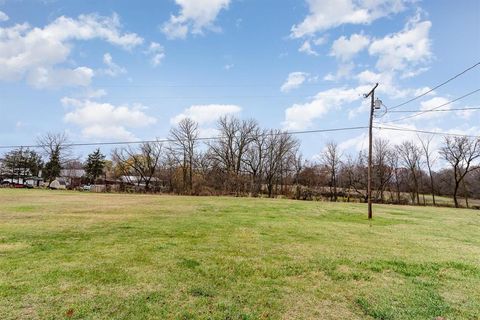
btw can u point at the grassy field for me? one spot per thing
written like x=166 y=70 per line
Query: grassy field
x=110 y=256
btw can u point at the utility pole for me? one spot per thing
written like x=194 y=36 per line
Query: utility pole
x=370 y=133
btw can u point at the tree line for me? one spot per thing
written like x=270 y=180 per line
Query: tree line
x=245 y=159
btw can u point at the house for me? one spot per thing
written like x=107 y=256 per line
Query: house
x=22 y=177
x=72 y=177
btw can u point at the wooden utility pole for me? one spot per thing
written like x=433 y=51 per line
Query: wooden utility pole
x=370 y=132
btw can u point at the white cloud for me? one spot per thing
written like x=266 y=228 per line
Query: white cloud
x=404 y=49
x=326 y=14
x=3 y=16
x=107 y=132
x=357 y=143
x=301 y=116
x=320 y=40
x=394 y=137
x=430 y=104
x=387 y=84
x=344 y=71
x=346 y=48
x=41 y=77
x=467 y=114
x=104 y=120
x=156 y=53
x=294 y=80
x=228 y=66
x=194 y=17
x=206 y=114
x=112 y=69
x=306 y=47
x=414 y=72
x=35 y=53
x=92 y=93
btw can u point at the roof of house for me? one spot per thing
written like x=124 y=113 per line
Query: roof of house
x=72 y=173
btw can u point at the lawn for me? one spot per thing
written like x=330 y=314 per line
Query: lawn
x=113 y=256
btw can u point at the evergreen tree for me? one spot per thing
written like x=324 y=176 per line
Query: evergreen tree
x=52 y=168
x=21 y=164
x=94 y=165
x=34 y=162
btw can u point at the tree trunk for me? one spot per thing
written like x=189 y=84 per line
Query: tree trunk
x=270 y=189
x=465 y=192
x=455 y=200
x=432 y=186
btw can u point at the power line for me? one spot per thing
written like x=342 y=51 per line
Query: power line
x=438 y=110
x=435 y=108
x=172 y=140
x=214 y=97
x=160 y=85
x=427 y=132
x=392 y=128
x=437 y=86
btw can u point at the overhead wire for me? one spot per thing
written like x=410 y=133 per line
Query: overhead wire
x=172 y=140
x=438 y=110
x=436 y=87
x=433 y=109
x=402 y=129
x=392 y=128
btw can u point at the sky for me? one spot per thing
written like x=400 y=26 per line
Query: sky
x=119 y=70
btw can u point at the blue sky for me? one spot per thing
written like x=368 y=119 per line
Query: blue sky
x=123 y=70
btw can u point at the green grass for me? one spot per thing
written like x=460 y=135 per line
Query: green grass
x=110 y=256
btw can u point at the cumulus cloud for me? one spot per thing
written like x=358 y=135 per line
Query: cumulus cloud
x=41 y=77
x=326 y=14
x=206 y=114
x=3 y=16
x=344 y=71
x=430 y=104
x=406 y=48
x=388 y=83
x=301 y=116
x=195 y=16
x=156 y=53
x=104 y=120
x=346 y=48
x=35 y=53
x=294 y=80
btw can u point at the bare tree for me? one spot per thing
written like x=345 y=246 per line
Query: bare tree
x=410 y=154
x=142 y=162
x=57 y=150
x=229 y=150
x=394 y=163
x=331 y=158
x=254 y=158
x=279 y=145
x=298 y=165
x=429 y=161
x=55 y=144
x=460 y=153
x=183 y=147
x=383 y=172
x=354 y=173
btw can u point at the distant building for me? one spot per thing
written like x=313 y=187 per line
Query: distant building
x=72 y=178
x=22 y=177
